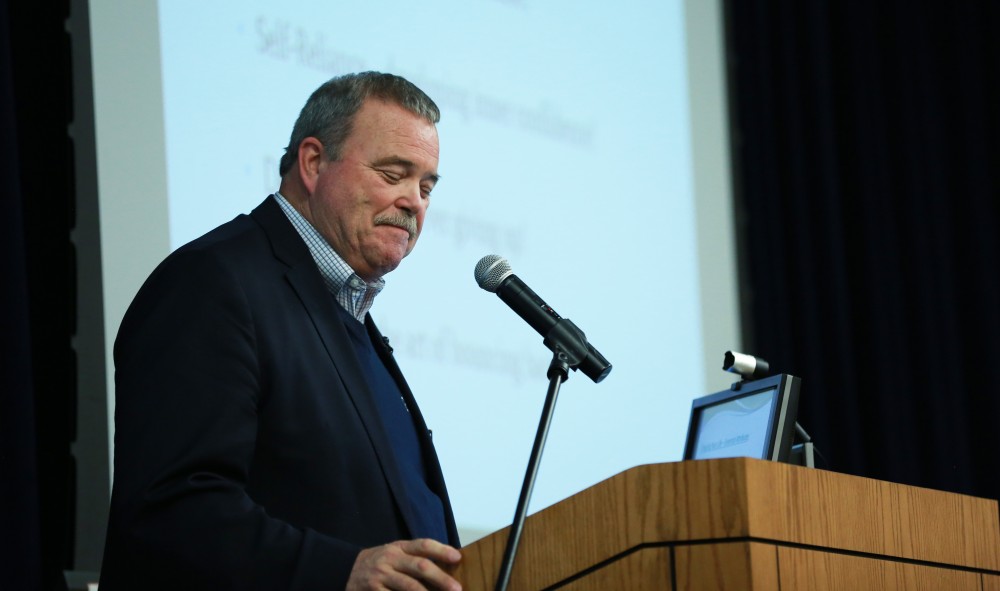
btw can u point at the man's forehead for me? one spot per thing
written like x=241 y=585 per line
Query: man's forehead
x=388 y=133
x=378 y=109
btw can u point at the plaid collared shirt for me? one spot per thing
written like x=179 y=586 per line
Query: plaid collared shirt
x=352 y=292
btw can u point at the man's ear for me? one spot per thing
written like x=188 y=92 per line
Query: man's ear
x=311 y=159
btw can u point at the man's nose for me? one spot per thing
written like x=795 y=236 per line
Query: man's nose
x=412 y=199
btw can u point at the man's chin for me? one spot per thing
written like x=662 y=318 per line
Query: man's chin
x=388 y=259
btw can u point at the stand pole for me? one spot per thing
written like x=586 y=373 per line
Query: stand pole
x=558 y=373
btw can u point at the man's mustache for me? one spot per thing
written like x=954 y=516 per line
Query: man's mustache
x=400 y=220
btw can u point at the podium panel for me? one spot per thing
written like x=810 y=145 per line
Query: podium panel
x=644 y=570
x=827 y=571
x=991 y=583
x=750 y=566
x=740 y=523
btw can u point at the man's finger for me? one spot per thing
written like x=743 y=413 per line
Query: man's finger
x=429 y=573
x=431 y=549
x=405 y=565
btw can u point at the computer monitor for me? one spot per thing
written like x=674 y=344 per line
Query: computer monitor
x=753 y=418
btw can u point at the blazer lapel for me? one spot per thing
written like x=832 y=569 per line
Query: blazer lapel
x=305 y=280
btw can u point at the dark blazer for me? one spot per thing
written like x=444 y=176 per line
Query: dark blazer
x=249 y=453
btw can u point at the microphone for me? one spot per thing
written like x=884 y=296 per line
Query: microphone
x=493 y=273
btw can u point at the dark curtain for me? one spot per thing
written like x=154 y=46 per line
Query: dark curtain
x=37 y=283
x=20 y=567
x=866 y=157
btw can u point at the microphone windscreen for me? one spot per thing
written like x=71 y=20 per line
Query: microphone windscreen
x=491 y=270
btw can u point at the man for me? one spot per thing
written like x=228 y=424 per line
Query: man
x=265 y=438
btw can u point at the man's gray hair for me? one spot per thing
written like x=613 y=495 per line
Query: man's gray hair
x=329 y=113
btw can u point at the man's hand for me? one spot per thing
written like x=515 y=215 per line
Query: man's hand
x=410 y=565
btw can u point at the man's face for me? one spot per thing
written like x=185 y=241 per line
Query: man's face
x=370 y=203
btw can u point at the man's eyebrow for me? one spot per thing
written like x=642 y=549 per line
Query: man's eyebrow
x=400 y=161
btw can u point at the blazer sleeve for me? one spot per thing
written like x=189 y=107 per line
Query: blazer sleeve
x=188 y=390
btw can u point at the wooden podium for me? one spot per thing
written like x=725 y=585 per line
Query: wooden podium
x=739 y=523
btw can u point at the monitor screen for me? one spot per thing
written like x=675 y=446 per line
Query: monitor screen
x=753 y=419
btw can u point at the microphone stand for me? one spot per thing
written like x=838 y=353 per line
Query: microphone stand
x=570 y=348
x=558 y=373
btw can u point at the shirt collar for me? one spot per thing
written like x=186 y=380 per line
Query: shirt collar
x=352 y=292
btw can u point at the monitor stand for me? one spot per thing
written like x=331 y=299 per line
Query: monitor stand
x=803 y=451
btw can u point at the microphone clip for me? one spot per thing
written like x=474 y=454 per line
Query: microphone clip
x=565 y=338
x=569 y=345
